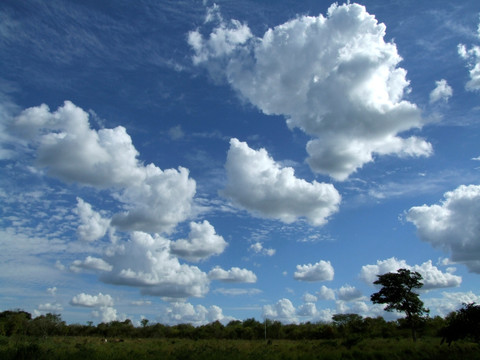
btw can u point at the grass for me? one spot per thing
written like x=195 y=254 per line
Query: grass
x=84 y=348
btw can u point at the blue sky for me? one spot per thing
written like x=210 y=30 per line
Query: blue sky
x=189 y=161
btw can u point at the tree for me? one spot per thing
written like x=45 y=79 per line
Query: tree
x=463 y=323
x=397 y=292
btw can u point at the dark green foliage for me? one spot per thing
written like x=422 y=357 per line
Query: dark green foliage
x=463 y=323
x=398 y=293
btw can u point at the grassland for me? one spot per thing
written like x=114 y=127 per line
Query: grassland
x=86 y=348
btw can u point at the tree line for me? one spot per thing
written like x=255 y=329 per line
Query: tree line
x=464 y=323
x=397 y=292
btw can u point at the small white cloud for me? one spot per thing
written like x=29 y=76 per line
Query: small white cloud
x=237 y=292
x=259 y=249
x=321 y=271
x=201 y=244
x=282 y=311
x=326 y=293
x=234 y=275
x=259 y=184
x=186 y=313
x=442 y=91
x=87 y=300
x=49 y=307
x=93 y=226
x=349 y=293
x=472 y=57
x=309 y=298
x=52 y=291
x=176 y=132
x=91 y=263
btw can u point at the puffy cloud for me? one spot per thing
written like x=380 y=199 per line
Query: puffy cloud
x=321 y=271
x=234 y=275
x=309 y=298
x=453 y=225
x=91 y=263
x=442 y=91
x=146 y=262
x=308 y=309
x=68 y=148
x=333 y=77
x=451 y=301
x=93 y=226
x=182 y=313
x=282 y=311
x=106 y=313
x=52 y=291
x=349 y=293
x=433 y=277
x=202 y=243
x=326 y=293
x=259 y=249
x=259 y=184
x=472 y=56
x=87 y=300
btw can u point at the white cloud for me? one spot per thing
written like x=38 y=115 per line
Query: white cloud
x=234 y=275
x=451 y=301
x=93 y=226
x=453 y=225
x=433 y=278
x=333 y=77
x=259 y=184
x=146 y=262
x=282 y=311
x=91 y=263
x=472 y=56
x=348 y=293
x=182 y=313
x=309 y=298
x=321 y=271
x=202 y=243
x=106 y=313
x=308 y=309
x=154 y=200
x=237 y=291
x=87 y=300
x=50 y=307
x=52 y=291
x=259 y=249
x=442 y=91
x=326 y=293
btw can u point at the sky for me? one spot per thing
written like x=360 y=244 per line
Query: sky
x=192 y=161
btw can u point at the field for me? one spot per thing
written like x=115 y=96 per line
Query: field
x=87 y=348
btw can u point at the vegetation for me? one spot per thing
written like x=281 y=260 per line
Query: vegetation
x=348 y=336
x=397 y=292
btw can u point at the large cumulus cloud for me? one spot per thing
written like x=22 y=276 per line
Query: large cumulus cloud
x=453 y=225
x=65 y=145
x=333 y=77
x=259 y=184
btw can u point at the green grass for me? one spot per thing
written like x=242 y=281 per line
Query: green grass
x=84 y=348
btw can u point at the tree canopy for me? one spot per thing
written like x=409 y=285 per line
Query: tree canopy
x=398 y=293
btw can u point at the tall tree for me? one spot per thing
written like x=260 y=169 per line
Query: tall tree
x=398 y=293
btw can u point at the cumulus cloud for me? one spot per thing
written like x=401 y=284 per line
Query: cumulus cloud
x=451 y=301
x=282 y=311
x=106 y=313
x=472 y=57
x=93 y=226
x=91 y=263
x=202 y=243
x=349 y=293
x=145 y=261
x=234 y=275
x=50 y=307
x=259 y=184
x=153 y=200
x=442 y=91
x=259 y=249
x=321 y=271
x=183 y=313
x=433 y=278
x=326 y=293
x=87 y=300
x=333 y=77
x=453 y=225
x=309 y=298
